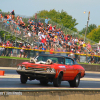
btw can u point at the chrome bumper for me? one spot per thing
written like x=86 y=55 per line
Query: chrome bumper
x=35 y=72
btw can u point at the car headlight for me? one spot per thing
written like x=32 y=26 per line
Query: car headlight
x=19 y=67
x=48 y=70
x=53 y=70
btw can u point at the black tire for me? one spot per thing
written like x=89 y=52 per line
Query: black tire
x=57 y=81
x=75 y=82
x=23 y=79
x=43 y=82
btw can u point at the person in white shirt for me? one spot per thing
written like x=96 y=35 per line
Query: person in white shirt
x=29 y=34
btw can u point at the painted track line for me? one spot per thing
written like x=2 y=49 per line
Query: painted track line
x=11 y=68
x=49 y=89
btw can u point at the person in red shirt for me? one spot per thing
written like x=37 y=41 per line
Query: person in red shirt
x=43 y=40
x=52 y=50
x=50 y=27
x=66 y=38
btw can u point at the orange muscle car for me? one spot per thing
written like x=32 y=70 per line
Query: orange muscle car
x=51 y=68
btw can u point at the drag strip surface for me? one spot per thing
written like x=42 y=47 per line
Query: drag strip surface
x=12 y=80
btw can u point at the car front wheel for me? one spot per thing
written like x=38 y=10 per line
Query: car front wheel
x=57 y=81
x=75 y=82
x=23 y=79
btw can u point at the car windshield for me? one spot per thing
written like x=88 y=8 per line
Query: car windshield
x=59 y=60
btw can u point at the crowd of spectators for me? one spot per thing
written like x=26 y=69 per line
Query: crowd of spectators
x=49 y=37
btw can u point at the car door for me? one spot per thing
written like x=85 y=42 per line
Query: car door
x=69 y=73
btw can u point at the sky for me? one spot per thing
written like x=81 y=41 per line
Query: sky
x=75 y=8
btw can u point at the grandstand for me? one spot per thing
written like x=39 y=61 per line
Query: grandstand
x=39 y=37
x=12 y=30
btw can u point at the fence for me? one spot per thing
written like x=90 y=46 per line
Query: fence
x=19 y=33
x=27 y=53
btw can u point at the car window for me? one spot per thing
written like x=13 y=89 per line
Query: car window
x=61 y=60
x=55 y=60
x=69 y=61
x=58 y=60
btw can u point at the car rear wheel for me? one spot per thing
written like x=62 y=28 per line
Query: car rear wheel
x=57 y=81
x=75 y=82
x=23 y=79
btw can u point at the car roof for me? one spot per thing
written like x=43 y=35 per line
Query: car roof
x=56 y=55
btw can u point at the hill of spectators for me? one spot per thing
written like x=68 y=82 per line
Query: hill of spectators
x=49 y=37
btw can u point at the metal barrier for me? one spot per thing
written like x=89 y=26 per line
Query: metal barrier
x=27 y=53
x=18 y=32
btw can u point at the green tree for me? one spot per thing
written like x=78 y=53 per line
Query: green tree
x=6 y=36
x=90 y=28
x=59 y=17
x=94 y=34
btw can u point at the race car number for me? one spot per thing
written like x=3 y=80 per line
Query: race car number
x=62 y=66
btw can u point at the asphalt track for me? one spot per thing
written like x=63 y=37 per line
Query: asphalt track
x=12 y=80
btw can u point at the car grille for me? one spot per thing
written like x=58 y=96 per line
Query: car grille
x=36 y=69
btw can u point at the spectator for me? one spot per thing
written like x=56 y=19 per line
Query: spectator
x=52 y=50
x=13 y=14
x=29 y=34
x=46 y=21
x=29 y=20
x=35 y=17
x=50 y=27
x=1 y=16
x=72 y=54
x=21 y=52
x=89 y=45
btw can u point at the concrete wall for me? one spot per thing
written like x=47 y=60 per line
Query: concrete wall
x=90 y=67
x=55 y=95
x=13 y=63
x=10 y=62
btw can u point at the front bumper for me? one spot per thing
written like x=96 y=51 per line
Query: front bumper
x=36 y=74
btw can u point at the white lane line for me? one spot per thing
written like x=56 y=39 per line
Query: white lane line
x=51 y=88
x=90 y=79
x=10 y=76
x=12 y=68
x=92 y=72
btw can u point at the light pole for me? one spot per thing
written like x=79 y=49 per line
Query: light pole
x=87 y=26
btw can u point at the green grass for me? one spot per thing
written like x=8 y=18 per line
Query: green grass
x=14 y=58
x=88 y=63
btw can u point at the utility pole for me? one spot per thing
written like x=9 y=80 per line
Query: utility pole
x=87 y=26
